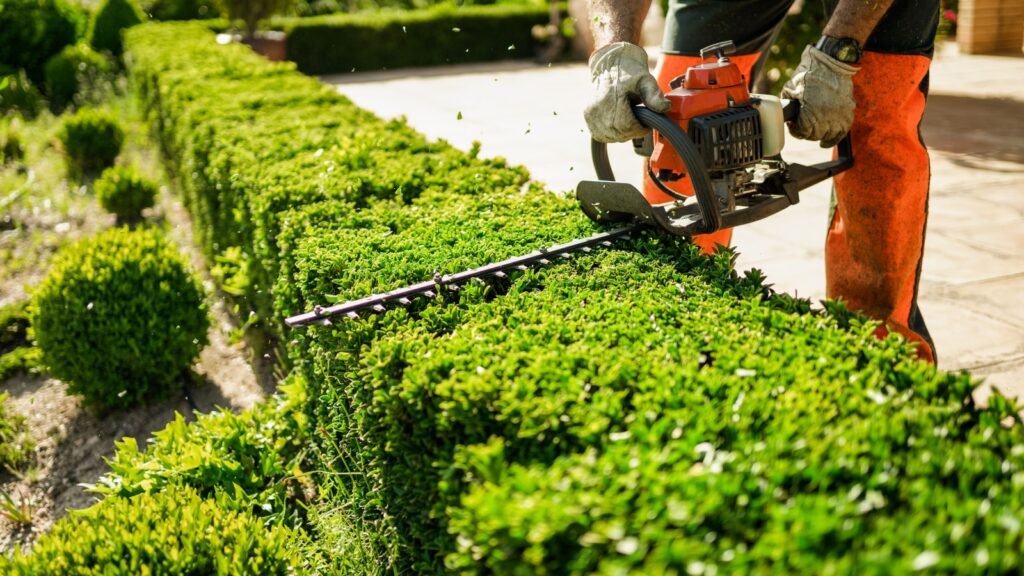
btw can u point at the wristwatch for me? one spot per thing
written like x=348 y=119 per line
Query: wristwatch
x=845 y=50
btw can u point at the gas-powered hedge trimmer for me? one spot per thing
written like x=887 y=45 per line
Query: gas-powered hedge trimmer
x=715 y=162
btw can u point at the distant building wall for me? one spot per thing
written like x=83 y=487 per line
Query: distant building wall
x=990 y=26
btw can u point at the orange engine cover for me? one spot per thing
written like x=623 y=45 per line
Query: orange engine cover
x=704 y=89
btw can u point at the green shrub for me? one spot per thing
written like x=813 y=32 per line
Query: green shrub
x=17 y=354
x=92 y=140
x=18 y=94
x=180 y=9
x=172 y=532
x=429 y=37
x=124 y=192
x=78 y=75
x=32 y=31
x=120 y=317
x=111 y=18
x=16 y=444
x=11 y=149
x=246 y=462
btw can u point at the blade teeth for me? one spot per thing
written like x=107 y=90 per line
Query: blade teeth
x=325 y=322
x=500 y=274
x=352 y=315
x=544 y=261
x=606 y=243
x=565 y=256
x=586 y=249
x=429 y=294
x=378 y=308
x=522 y=267
x=404 y=301
x=452 y=287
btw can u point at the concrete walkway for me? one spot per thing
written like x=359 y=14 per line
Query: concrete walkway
x=972 y=291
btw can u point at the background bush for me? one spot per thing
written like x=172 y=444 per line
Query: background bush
x=120 y=317
x=78 y=75
x=110 y=19
x=32 y=31
x=122 y=191
x=180 y=9
x=18 y=94
x=172 y=532
x=91 y=139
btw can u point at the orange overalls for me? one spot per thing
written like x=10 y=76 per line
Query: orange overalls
x=875 y=241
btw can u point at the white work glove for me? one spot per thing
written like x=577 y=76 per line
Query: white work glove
x=824 y=87
x=619 y=72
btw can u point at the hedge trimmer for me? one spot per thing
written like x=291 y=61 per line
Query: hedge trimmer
x=715 y=161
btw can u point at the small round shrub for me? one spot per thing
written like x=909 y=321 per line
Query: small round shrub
x=111 y=18
x=92 y=140
x=31 y=31
x=119 y=317
x=124 y=192
x=76 y=76
x=18 y=94
x=172 y=532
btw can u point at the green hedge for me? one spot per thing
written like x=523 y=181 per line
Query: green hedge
x=433 y=36
x=638 y=410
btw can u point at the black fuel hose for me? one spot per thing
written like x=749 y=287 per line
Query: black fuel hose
x=685 y=148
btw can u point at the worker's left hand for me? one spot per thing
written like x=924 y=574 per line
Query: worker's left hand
x=824 y=87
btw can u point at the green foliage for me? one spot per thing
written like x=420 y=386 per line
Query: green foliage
x=16 y=444
x=252 y=12
x=92 y=140
x=32 y=31
x=180 y=9
x=442 y=34
x=111 y=19
x=644 y=409
x=121 y=190
x=78 y=75
x=18 y=94
x=11 y=148
x=120 y=317
x=171 y=532
x=246 y=462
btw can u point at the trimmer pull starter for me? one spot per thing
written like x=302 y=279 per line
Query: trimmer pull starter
x=714 y=162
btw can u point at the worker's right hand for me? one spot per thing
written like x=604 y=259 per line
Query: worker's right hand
x=619 y=75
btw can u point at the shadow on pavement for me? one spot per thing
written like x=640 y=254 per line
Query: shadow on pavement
x=991 y=128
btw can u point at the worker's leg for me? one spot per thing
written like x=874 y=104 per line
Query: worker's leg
x=876 y=238
x=693 y=24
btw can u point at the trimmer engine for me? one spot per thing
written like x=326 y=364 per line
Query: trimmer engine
x=719 y=144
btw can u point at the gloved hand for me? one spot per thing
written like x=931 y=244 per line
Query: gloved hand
x=824 y=87
x=619 y=71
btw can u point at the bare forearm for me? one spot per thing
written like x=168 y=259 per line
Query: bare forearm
x=617 y=20
x=856 y=18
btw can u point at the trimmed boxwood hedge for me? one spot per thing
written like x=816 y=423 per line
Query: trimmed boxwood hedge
x=442 y=34
x=643 y=409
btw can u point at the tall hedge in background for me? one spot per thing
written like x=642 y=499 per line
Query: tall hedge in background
x=439 y=35
x=643 y=409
